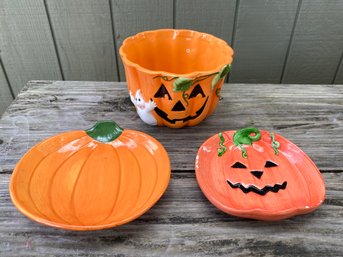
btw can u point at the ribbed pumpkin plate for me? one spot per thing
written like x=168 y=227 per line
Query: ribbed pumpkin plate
x=88 y=180
x=260 y=175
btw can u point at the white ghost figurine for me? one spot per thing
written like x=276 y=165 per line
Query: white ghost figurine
x=144 y=109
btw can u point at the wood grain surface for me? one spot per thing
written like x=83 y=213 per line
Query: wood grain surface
x=183 y=222
x=309 y=115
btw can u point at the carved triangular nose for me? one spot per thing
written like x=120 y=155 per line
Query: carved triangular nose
x=257 y=173
x=178 y=107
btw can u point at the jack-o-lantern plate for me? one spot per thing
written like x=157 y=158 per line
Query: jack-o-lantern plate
x=88 y=180
x=255 y=174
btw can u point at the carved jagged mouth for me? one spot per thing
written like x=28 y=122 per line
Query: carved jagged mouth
x=260 y=191
x=164 y=115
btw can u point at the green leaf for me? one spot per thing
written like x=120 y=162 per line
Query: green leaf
x=215 y=80
x=104 y=131
x=182 y=84
x=225 y=70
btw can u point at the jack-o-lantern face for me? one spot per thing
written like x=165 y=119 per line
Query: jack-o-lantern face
x=254 y=174
x=177 y=110
x=257 y=174
x=176 y=101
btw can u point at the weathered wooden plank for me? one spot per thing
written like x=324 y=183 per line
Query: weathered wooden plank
x=309 y=115
x=83 y=33
x=214 y=17
x=182 y=223
x=317 y=43
x=26 y=44
x=5 y=93
x=262 y=35
x=133 y=16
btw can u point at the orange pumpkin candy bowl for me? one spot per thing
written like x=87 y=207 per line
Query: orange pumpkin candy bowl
x=88 y=180
x=259 y=175
x=174 y=77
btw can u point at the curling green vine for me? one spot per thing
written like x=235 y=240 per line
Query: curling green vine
x=165 y=78
x=222 y=148
x=246 y=136
x=244 y=151
x=275 y=144
x=183 y=84
x=185 y=97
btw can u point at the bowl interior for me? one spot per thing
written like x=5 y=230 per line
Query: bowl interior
x=71 y=181
x=176 y=51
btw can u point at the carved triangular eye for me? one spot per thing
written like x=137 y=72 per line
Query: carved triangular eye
x=270 y=164
x=161 y=92
x=196 y=90
x=239 y=165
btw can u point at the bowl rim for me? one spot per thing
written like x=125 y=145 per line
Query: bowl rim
x=128 y=62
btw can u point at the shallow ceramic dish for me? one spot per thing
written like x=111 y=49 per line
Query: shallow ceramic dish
x=259 y=175
x=175 y=76
x=94 y=179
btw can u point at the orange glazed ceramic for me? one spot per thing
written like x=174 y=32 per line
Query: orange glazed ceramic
x=174 y=77
x=94 y=179
x=260 y=175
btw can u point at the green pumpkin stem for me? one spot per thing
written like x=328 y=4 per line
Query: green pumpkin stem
x=244 y=137
x=104 y=131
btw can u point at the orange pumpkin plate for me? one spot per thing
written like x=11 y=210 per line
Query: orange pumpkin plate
x=260 y=175
x=94 y=179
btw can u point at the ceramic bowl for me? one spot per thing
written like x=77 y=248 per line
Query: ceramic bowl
x=91 y=179
x=174 y=77
x=258 y=174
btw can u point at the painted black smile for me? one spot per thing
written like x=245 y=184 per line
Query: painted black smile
x=260 y=191
x=164 y=115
